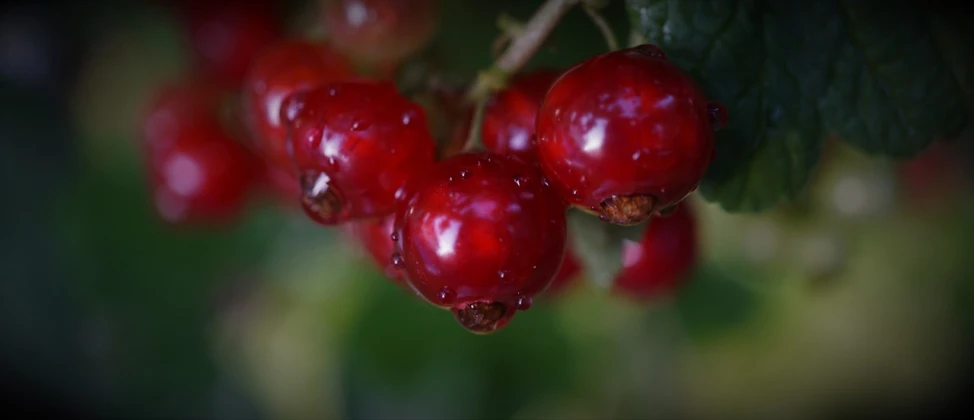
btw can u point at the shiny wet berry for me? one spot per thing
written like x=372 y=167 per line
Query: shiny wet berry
x=481 y=235
x=355 y=145
x=662 y=259
x=375 y=236
x=226 y=36
x=626 y=134
x=280 y=71
x=202 y=176
x=510 y=116
x=380 y=31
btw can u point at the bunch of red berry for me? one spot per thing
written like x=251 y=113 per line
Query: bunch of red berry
x=625 y=136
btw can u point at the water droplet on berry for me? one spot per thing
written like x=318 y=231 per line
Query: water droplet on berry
x=718 y=115
x=407 y=118
x=545 y=182
x=398 y=261
x=520 y=180
x=483 y=317
x=651 y=51
x=449 y=178
x=446 y=296
x=523 y=303
x=361 y=125
x=400 y=194
x=394 y=236
x=574 y=193
x=505 y=276
x=465 y=173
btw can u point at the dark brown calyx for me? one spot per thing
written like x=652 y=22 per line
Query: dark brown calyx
x=627 y=209
x=482 y=317
x=319 y=197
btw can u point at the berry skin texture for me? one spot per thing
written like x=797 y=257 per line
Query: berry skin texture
x=481 y=235
x=626 y=134
x=282 y=70
x=202 y=176
x=510 y=116
x=380 y=31
x=226 y=36
x=663 y=258
x=356 y=144
x=375 y=236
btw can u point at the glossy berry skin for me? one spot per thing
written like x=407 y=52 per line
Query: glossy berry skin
x=203 y=175
x=480 y=235
x=375 y=236
x=663 y=258
x=226 y=36
x=510 y=116
x=626 y=134
x=380 y=31
x=356 y=144
x=175 y=107
x=280 y=71
x=568 y=273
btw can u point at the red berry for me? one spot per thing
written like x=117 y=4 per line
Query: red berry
x=281 y=184
x=282 y=70
x=356 y=144
x=567 y=274
x=480 y=234
x=175 y=107
x=380 y=31
x=204 y=175
x=626 y=134
x=226 y=36
x=662 y=259
x=510 y=116
x=375 y=236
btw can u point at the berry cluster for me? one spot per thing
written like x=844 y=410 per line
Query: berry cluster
x=625 y=135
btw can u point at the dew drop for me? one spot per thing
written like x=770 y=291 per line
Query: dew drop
x=449 y=178
x=505 y=276
x=394 y=236
x=407 y=118
x=520 y=180
x=446 y=296
x=361 y=125
x=465 y=173
x=398 y=261
x=523 y=303
x=574 y=193
x=400 y=194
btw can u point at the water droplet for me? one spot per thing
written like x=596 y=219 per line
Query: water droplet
x=718 y=115
x=505 y=276
x=446 y=296
x=520 y=180
x=523 y=303
x=407 y=118
x=400 y=194
x=574 y=193
x=394 y=236
x=545 y=182
x=465 y=173
x=360 y=125
x=398 y=261
x=449 y=178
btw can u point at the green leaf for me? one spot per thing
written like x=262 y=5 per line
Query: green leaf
x=599 y=245
x=792 y=72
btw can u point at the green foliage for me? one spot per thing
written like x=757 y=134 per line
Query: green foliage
x=887 y=77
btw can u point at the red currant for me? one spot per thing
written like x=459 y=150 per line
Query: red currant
x=375 y=236
x=567 y=274
x=510 y=116
x=282 y=70
x=227 y=35
x=176 y=106
x=662 y=259
x=356 y=144
x=480 y=234
x=204 y=175
x=626 y=134
x=380 y=31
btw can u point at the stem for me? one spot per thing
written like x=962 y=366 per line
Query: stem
x=474 y=139
x=522 y=47
x=599 y=21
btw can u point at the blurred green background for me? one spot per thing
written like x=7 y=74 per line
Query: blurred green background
x=854 y=300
